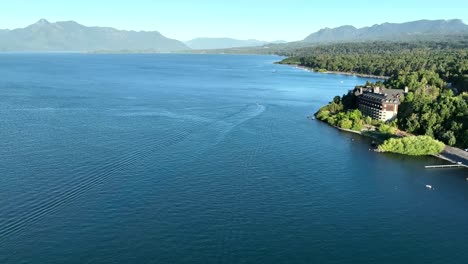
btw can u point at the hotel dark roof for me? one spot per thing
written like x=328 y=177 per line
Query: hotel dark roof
x=388 y=96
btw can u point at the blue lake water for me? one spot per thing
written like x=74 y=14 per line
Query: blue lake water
x=205 y=159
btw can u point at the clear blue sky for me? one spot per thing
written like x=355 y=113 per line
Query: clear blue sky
x=260 y=19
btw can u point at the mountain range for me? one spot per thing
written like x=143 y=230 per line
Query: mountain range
x=69 y=36
x=389 y=31
x=226 y=43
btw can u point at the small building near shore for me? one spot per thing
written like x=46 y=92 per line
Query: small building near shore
x=379 y=103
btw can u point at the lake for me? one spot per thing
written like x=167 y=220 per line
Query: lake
x=205 y=159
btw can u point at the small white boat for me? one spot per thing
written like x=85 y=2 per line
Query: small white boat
x=429 y=186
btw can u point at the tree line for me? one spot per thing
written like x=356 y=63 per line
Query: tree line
x=449 y=59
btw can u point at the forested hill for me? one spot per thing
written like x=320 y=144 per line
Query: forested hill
x=449 y=59
x=436 y=74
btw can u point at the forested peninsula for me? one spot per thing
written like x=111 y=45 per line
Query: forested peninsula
x=434 y=74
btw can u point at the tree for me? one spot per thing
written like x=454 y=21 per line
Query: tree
x=368 y=120
x=357 y=125
x=412 y=123
x=355 y=115
x=388 y=129
x=345 y=123
x=337 y=100
x=409 y=97
x=449 y=138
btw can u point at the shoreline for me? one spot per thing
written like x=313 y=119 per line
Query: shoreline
x=449 y=154
x=362 y=75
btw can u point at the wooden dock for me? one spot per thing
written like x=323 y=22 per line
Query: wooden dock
x=446 y=166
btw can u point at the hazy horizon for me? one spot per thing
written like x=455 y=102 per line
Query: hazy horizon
x=262 y=20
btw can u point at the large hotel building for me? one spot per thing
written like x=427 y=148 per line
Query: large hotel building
x=379 y=103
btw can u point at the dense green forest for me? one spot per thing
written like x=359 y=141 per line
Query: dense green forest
x=448 y=59
x=436 y=74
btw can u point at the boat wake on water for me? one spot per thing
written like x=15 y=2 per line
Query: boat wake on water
x=86 y=178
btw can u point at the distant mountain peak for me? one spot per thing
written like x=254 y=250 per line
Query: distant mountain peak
x=348 y=27
x=42 y=21
x=454 y=21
